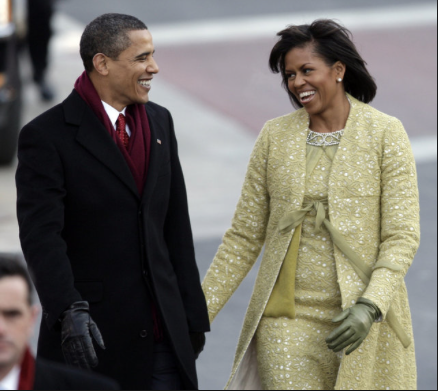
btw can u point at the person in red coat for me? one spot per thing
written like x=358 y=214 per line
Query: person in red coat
x=18 y=368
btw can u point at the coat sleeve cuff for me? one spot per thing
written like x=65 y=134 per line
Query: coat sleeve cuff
x=381 y=304
x=52 y=315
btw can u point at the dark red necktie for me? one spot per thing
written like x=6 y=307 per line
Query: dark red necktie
x=121 y=130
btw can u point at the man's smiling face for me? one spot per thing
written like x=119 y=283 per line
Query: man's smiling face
x=131 y=74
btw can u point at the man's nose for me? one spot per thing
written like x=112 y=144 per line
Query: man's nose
x=153 y=67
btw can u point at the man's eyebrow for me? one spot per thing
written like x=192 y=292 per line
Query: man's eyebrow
x=11 y=312
x=145 y=54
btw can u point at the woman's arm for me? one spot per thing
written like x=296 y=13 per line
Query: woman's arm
x=400 y=210
x=244 y=241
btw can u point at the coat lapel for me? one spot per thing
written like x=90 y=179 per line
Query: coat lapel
x=155 y=153
x=298 y=149
x=93 y=136
x=338 y=181
x=339 y=162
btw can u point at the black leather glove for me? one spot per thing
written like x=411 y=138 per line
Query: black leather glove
x=77 y=330
x=198 y=343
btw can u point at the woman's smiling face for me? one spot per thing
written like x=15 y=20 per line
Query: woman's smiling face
x=312 y=81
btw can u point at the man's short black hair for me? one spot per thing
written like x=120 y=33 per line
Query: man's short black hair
x=12 y=267
x=108 y=34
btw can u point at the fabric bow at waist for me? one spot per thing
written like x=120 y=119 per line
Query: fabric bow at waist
x=293 y=220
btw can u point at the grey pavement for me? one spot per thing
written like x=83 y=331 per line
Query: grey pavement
x=215 y=147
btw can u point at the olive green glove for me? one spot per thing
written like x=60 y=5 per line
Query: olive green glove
x=357 y=323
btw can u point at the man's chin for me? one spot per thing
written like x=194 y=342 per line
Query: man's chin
x=140 y=100
x=8 y=358
x=144 y=99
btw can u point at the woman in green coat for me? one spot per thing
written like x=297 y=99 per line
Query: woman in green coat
x=331 y=192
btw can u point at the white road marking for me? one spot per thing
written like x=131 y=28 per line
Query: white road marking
x=235 y=29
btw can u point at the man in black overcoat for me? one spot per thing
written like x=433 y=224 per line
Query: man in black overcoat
x=104 y=221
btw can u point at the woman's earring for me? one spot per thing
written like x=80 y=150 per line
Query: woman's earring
x=340 y=80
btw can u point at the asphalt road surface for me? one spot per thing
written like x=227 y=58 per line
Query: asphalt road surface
x=221 y=92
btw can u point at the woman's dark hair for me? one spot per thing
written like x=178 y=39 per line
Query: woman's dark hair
x=332 y=42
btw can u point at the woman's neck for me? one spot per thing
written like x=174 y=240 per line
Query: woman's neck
x=333 y=119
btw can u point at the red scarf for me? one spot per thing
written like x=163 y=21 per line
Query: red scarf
x=138 y=154
x=27 y=373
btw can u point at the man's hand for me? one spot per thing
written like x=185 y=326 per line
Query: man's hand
x=77 y=331
x=198 y=343
x=357 y=323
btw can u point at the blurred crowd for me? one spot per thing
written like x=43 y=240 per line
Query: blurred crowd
x=38 y=37
x=32 y=20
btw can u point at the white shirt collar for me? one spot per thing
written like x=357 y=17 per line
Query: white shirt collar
x=113 y=114
x=10 y=382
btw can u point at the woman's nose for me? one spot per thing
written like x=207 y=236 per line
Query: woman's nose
x=299 y=81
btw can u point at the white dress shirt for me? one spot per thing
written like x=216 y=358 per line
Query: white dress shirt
x=10 y=382
x=113 y=115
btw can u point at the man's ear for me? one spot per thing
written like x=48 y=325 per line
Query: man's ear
x=100 y=62
x=34 y=312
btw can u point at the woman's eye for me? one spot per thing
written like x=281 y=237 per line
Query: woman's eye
x=307 y=71
x=291 y=76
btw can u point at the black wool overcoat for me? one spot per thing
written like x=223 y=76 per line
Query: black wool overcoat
x=54 y=376
x=87 y=235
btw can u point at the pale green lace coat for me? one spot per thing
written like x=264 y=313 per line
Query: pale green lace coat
x=373 y=201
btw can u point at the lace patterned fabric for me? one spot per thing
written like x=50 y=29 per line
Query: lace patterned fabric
x=290 y=357
x=293 y=352
x=373 y=201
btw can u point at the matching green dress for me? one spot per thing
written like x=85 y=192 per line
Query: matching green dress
x=291 y=350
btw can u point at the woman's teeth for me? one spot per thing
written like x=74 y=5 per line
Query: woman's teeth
x=307 y=96
x=145 y=83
